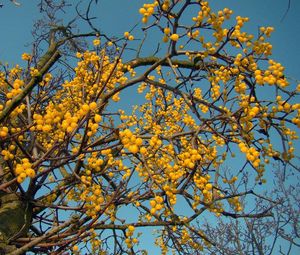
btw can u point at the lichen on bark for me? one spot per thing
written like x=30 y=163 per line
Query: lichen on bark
x=15 y=219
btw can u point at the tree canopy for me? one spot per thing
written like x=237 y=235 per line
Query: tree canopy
x=102 y=140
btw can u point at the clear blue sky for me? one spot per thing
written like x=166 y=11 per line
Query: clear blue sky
x=117 y=16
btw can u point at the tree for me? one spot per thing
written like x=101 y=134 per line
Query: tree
x=79 y=175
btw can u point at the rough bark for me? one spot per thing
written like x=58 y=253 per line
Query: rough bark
x=15 y=220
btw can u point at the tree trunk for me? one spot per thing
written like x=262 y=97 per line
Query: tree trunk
x=15 y=220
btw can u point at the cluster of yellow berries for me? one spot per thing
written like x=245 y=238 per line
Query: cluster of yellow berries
x=223 y=74
x=202 y=181
x=266 y=30
x=251 y=153
x=13 y=130
x=242 y=37
x=130 y=141
x=156 y=204
x=175 y=172
x=262 y=47
x=129 y=240
x=34 y=72
x=205 y=12
x=193 y=34
x=3 y=132
x=198 y=93
x=89 y=107
x=88 y=57
x=171 y=193
x=17 y=88
x=93 y=128
x=175 y=166
x=46 y=79
x=185 y=236
x=219 y=140
x=215 y=90
x=26 y=56
x=167 y=32
x=165 y=5
x=24 y=170
x=69 y=123
x=95 y=163
x=188 y=120
x=240 y=87
x=214 y=19
x=43 y=123
x=274 y=75
x=251 y=112
x=240 y=61
x=130 y=230
x=168 y=35
x=155 y=142
x=86 y=177
x=128 y=36
x=7 y=154
x=240 y=21
x=189 y=158
x=203 y=108
x=17 y=110
x=93 y=197
x=284 y=106
x=147 y=11
x=65 y=115
x=296 y=120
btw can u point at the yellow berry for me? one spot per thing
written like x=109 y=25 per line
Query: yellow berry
x=93 y=106
x=30 y=172
x=96 y=42
x=165 y=39
x=131 y=228
x=143 y=150
x=167 y=30
x=133 y=148
x=97 y=118
x=3 y=133
x=85 y=107
x=174 y=37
